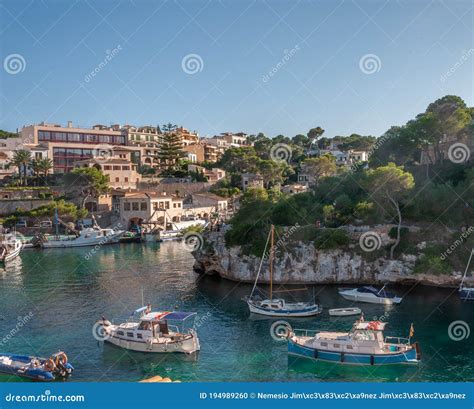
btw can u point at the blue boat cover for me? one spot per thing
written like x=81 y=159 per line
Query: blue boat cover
x=179 y=315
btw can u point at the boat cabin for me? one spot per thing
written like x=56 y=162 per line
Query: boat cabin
x=378 y=293
x=364 y=337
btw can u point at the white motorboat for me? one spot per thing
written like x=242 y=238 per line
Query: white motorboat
x=174 y=230
x=151 y=332
x=277 y=307
x=370 y=295
x=344 y=312
x=10 y=248
x=91 y=236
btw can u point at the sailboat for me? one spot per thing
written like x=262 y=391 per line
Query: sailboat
x=277 y=307
x=466 y=293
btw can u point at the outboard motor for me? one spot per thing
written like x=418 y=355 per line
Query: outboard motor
x=62 y=367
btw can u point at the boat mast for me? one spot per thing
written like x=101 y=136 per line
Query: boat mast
x=272 y=234
x=260 y=266
x=467 y=268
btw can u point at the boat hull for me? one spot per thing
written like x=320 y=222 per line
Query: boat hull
x=304 y=312
x=408 y=357
x=186 y=346
x=12 y=255
x=344 y=312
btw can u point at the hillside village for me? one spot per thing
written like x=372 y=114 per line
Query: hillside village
x=146 y=178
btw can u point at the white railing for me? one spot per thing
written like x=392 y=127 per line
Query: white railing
x=397 y=340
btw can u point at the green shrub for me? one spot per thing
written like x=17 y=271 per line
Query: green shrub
x=331 y=238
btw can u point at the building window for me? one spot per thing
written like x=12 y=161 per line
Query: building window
x=116 y=167
x=155 y=206
x=126 y=206
x=143 y=206
x=126 y=179
x=179 y=204
x=125 y=167
x=167 y=205
x=117 y=179
x=107 y=167
x=174 y=205
x=135 y=206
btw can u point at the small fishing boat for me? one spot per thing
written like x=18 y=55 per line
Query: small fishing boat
x=39 y=369
x=277 y=307
x=10 y=248
x=466 y=293
x=364 y=344
x=157 y=332
x=344 y=312
x=370 y=295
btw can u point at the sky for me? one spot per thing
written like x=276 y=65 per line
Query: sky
x=277 y=67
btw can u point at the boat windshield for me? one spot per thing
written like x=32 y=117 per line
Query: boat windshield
x=379 y=293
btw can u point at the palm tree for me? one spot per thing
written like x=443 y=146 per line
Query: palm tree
x=45 y=166
x=35 y=166
x=21 y=159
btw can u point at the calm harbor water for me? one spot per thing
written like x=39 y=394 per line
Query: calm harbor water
x=62 y=292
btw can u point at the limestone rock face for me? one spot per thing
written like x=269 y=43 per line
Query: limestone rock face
x=303 y=263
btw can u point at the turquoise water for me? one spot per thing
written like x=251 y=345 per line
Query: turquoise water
x=63 y=292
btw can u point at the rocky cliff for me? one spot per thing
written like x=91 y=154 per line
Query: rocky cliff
x=303 y=263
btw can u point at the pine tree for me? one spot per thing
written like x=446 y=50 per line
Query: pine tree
x=170 y=151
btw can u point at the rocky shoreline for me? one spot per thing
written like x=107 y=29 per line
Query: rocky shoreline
x=304 y=264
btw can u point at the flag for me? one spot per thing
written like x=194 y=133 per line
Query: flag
x=412 y=330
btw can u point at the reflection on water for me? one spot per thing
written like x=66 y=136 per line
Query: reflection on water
x=67 y=291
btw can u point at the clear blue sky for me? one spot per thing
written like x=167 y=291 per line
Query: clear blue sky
x=240 y=42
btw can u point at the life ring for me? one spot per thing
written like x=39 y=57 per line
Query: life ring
x=49 y=365
x=61 y=358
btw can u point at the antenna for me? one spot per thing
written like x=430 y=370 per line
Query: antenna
x=143 y=302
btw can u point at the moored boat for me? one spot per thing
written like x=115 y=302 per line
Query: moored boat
x=157 y=332
x=277 y=307
x=86 y=237
x=35 y=368
x=364 y=344
x=370 y=295
x=344 y=312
